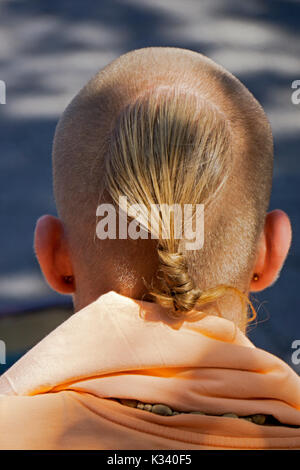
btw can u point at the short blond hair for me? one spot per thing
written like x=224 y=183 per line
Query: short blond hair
x=167 y=125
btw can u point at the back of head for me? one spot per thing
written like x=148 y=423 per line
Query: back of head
x=168 y=128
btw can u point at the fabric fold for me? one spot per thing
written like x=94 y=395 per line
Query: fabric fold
x=118 y=347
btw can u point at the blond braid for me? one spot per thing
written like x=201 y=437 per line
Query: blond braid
x=179 y=292
x=171 y=147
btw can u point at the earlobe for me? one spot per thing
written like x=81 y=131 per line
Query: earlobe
x=52 y=253
x=272 y=250
x=257 y=281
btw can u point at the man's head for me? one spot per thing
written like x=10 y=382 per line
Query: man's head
x=163 y=126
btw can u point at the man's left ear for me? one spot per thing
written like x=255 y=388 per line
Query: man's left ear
x=272 y=250
x=52 y=252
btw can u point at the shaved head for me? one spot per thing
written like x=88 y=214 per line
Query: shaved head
x=81 y=149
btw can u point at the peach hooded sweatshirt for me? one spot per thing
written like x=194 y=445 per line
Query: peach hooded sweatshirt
x=58 y=396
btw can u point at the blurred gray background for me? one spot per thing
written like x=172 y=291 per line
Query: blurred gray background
x=49 y=49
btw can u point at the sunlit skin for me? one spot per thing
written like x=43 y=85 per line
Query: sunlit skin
x=52 y=251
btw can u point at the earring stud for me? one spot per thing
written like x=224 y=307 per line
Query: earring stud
x=255 y=277
x=68 y=279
